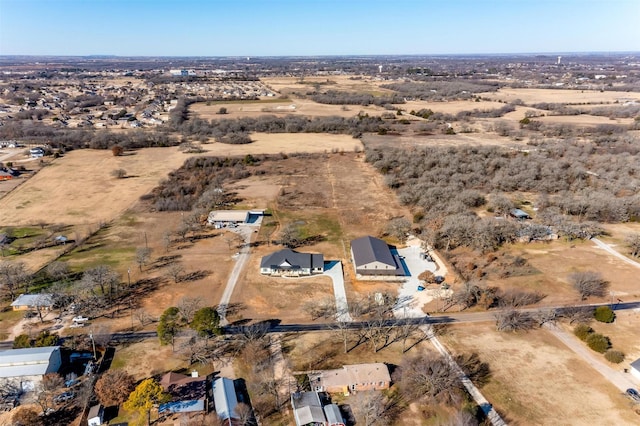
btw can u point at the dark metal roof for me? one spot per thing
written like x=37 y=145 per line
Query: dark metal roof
x=369 y=249
x=293 y=258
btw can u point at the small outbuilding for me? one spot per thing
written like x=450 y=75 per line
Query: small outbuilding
x=225 y=400
x=519 y=214
x=95 y=416
x=635 y=369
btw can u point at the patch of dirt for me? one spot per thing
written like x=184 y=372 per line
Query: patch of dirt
x=537 y=380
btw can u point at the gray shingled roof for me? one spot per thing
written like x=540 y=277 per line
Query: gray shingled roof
x=293 y=258
x=369 y=249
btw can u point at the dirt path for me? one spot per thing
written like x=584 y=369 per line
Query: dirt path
x=618 y=379
x=613 y=252
x=243 y=255
x=475 y=393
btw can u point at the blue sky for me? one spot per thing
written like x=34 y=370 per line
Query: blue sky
x=316 y=27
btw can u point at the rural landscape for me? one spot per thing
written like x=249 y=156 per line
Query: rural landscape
x=384 y=240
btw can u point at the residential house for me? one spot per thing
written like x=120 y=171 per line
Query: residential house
x=372 y=256
x=26 y=302
x=351 y=378
x=24 y=368
x=289 y=262
x=635 y=369
x=314 y=408
x=188 y=393
x=95 y=416
x=225 y=400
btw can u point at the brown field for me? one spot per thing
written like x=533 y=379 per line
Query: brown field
x=419 y=141
x=321 y=201
x=276 y=143
x=553 y=262
x=302 y=107
x=537 y=380
x=358 y=84
x=566 y=96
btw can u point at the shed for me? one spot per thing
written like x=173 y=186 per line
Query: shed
x=333 y=415
x=519 y=214
x=96 y=415
x=226 y=217
x=225 y=398
x=635 y=369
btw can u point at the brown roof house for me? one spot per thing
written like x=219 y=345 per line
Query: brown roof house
x=372 y=256
x=351 y=378
x=188 y=393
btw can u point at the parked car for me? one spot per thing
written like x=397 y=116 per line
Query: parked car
x=65 y=396
x=80 y=318
x=633 y=394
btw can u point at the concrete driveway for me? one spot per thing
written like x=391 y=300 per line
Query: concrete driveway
x=333 y=269
x=241 y=260
x=410 y=300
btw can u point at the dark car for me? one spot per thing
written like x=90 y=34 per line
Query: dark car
x=633 y=394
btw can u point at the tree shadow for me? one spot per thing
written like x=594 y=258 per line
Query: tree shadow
x=195 y=276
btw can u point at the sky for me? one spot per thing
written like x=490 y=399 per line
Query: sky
x=316 y=27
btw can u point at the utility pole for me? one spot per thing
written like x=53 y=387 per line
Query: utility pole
x=93 y=344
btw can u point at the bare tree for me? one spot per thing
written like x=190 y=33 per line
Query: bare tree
x=188 y=306
x=143 y=254
x=114 y=387
x=633 y=241
x=175 y=271
x=578 y=314
x=323 y=308
x=399 y=228
x=119 y=173
x=290 y=236
x=13 y=278
x=431 y=377
x=46 y=389
x=58 y=271
x=589 y=283
x=512 y=320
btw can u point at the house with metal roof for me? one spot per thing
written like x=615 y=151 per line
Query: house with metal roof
x=307 y=409
x=372 y=256
x=24 y=368
x=32 y=301
x=188 y=393
x=289 y=262
x=225 y=399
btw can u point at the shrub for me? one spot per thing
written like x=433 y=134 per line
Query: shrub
x=582 y=331
x=598 y=342
x=604 y=314
x=615 y=357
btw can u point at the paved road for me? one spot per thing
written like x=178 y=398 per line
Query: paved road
x=613 y=252
x=620 y=380
x=334 y=271
x=243 y=255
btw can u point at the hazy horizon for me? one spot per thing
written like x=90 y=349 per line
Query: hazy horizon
x=254 y=28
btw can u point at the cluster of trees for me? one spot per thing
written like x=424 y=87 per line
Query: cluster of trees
x=440 y=90
x=204 y=321
x=334 y=97
x=598 y=342
x=444 y=185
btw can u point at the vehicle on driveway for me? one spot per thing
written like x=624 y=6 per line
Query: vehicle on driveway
x=633 y=394
x=80 y=318
x=65 y=396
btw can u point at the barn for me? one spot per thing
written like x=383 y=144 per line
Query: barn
x=372 y=256
x=24 y=368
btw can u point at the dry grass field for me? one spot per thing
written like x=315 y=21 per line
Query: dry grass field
x=348 y=83
x=538 y=380
x=566 y=96
x=550 y=264
x=302 y=107
x=624 y=334
x=420 y=141
x=276 y=143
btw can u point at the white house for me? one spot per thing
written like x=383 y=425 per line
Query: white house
x=289 y=262
x=96 y=415
x=635 y=369
x=24 y=368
